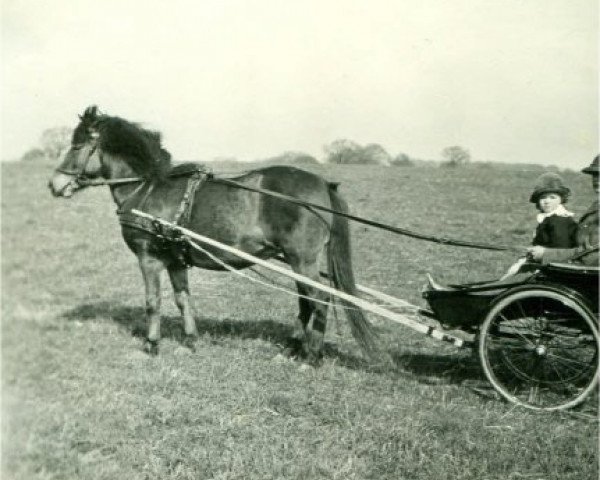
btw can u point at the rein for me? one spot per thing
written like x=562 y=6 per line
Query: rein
x=400 y=231
x=96 y=182
x=210 y=177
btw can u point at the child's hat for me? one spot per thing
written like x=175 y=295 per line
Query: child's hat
x=592 y=169
x=549 y=183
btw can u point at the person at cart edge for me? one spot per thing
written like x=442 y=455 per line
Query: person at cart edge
x=586 y=250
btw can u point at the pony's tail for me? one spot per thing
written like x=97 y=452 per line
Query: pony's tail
x=339 y=262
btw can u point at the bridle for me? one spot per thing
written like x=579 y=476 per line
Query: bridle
x=81 y=179
x=78 y=174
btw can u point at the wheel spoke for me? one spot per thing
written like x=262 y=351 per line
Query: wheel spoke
x=565 y=374
x=566 y=360
x=557 y=371
x=519 y=334
x=539 y=348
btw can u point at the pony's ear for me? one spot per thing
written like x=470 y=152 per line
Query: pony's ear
x=91 y=113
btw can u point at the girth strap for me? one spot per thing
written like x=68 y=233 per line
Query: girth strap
x=128 y=219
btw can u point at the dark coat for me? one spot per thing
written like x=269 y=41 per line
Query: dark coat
x=586 y=251
x=556 y=232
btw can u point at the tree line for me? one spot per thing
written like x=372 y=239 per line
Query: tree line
x=55 y=141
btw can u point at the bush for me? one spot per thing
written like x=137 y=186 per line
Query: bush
x=35 y=154
x=55 y=141
x=347 y=152
x=402 y=160
x=293 y=158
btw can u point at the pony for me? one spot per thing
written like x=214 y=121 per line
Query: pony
x=132 y=161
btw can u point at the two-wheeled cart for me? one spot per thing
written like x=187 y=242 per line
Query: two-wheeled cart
x=537 y=335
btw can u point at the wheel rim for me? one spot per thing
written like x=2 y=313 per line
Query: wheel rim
x=539 y=349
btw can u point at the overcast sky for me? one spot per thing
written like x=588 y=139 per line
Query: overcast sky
x=510 y=80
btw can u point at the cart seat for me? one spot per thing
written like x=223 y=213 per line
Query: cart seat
x=464 y=306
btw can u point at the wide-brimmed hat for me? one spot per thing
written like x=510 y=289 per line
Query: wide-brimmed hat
x=592 y=169
x=549 y=183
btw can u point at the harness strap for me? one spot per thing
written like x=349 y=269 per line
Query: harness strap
x=128 y=219
x=182 y=217
x=172 y=239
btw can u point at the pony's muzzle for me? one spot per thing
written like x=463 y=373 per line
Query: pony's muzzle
x=61 y=185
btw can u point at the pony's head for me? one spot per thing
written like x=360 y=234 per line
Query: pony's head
x=82 y=160
x=108 y=147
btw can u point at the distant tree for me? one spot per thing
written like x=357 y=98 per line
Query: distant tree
x=455 y=156
x=55 y=140
x=375 y=154
x=402 y=160
x=34 y=154
x=342 y=151
x=346 y=152
x=293 y=158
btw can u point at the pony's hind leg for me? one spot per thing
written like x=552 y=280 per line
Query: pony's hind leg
x=305 y=309
x=313 y=339
x=151 y=269
x=179 y=281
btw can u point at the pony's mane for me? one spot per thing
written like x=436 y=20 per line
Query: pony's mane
x=140 y=148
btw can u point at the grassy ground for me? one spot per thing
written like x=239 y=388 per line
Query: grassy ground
x=80 y=400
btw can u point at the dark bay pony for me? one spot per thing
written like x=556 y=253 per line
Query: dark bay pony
x=111 y=148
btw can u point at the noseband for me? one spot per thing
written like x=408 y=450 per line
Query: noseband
x=80 y=179
x=79 y=176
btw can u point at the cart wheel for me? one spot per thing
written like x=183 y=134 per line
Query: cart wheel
x=539 y=348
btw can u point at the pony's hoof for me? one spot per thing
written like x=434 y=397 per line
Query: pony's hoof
x=293 y=348
x=190 y=342
x=151 y=348
x=315 y=359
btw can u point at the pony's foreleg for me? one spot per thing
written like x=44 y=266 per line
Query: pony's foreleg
x=179 y=280
x=151 y=269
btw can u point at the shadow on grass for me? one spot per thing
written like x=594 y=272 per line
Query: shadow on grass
x=132 y=318
x=428 y=368
x=435 y=368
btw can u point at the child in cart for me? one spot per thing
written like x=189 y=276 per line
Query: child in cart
x=556 y=226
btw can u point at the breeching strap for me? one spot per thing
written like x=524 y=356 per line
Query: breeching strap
x=389 y=228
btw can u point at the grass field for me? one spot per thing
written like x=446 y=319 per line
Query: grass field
x=80 y=400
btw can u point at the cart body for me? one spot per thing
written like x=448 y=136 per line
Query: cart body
x=537 y=333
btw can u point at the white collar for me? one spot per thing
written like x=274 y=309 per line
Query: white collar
x=560 y=211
